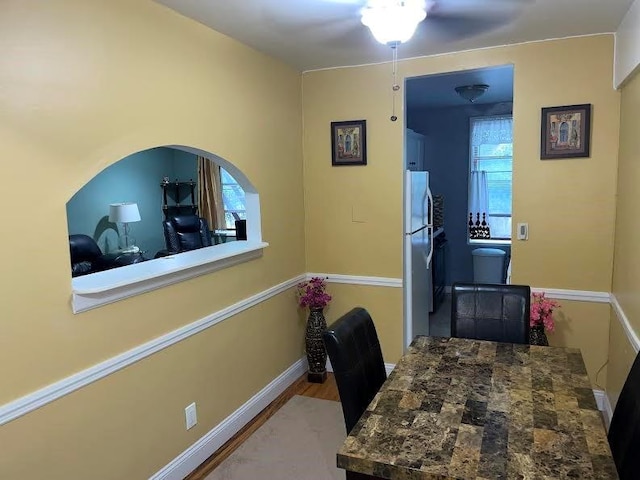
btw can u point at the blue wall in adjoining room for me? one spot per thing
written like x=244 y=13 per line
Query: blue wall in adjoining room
x=185 y=166
x=447 y=160
x=135 y=178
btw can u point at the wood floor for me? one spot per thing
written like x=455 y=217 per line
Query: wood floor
x=327 y=391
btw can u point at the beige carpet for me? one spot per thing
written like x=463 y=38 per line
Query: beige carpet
x=298 y=443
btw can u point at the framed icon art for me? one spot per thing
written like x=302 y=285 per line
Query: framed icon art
x=565 y=132
x=349 y=143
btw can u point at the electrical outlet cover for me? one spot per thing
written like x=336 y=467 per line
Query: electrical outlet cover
x=191 y=415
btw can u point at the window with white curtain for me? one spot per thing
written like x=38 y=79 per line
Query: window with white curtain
x=232 y=199
x=491 y=146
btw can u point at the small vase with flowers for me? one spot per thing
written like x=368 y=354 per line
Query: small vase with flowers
x=541 y=318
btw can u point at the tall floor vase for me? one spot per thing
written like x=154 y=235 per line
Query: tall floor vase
x=316 y=352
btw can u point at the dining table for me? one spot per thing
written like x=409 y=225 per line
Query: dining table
x=455 y=408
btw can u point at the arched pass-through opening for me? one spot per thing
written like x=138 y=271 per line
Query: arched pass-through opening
x=155 y=271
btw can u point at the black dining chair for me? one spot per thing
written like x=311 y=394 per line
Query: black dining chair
x=624 y=431
x=356 y=358
x=498 y=313
x=354 y=350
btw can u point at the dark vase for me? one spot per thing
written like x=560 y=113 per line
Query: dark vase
x=537 y=336
x=316 y=352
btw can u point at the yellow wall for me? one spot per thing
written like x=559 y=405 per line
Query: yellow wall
x=626 y=267
x=585 y=325
x=354 y=214
x=626 y=277
x=621 y=356
x=87 y=83
x=383 y=303
x=84 y=84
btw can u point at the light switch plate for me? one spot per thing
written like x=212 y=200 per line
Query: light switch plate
x=522 y=231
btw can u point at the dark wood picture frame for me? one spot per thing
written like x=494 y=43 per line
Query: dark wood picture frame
x=349 y=143
x=565 y=132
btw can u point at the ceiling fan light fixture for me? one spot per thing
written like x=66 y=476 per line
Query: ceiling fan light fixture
x=472 y=92
x=392 y=22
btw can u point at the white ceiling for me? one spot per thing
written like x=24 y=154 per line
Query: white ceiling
x=313 y=34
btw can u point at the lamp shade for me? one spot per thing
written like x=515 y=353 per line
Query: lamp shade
x=472 y=92
x=391 y=21
x=124 y=212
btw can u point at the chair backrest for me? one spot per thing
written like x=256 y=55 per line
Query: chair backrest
x=624 y=431
x=499 y=313
x=85 y=254
x=354 y=350
x=186 y=232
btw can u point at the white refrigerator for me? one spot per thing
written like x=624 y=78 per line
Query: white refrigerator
x=418 y=252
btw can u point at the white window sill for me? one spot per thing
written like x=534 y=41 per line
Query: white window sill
x=489 y=242
x=96 y=289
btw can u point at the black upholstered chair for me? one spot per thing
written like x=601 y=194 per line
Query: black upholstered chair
x=86 y=256
x=624 y=431
x=499 y=313
x=186 y=232
x=354 y=350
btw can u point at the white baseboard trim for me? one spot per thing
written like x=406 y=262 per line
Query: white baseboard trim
x=634 y=340
x=600 y=396
x=607 y=411
x=23 y=405
x=359 y=280
x=197 y=453
x=578 y=295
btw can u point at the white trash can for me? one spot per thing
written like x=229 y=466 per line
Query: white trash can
x=488 y=265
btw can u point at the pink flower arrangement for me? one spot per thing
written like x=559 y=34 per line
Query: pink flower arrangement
x=313 y=293
x=541 y=312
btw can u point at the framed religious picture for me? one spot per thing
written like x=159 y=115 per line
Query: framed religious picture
x=565 y=131
x=349 y=143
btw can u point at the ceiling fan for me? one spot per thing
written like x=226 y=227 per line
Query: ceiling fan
x=341 y=21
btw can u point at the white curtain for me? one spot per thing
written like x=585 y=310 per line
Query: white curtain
x=484 y=131
x=478 y=196
x=493 y=130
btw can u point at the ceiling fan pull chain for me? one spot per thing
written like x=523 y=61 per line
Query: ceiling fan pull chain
x=395 y=87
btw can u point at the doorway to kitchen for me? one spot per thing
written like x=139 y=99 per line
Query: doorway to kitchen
x=459 y=131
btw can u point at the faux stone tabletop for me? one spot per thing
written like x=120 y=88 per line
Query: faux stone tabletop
x=470 y=409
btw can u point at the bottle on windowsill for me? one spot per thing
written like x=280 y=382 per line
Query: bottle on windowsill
x=472 y=230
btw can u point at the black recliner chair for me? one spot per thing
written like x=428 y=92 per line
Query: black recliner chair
x=499 y=313
x=185 y=232
x=86 y=256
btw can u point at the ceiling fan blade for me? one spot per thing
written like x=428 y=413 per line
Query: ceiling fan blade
x=327 y=18
x=456 y=28
x=476 y=8
x=452 y=20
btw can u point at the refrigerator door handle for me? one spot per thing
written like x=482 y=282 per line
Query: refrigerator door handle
x=430 y=227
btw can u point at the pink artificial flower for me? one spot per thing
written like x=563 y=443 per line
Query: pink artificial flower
x=541 y=311
x=313 y=293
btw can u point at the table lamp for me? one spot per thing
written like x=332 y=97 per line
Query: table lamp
x=125 y=213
